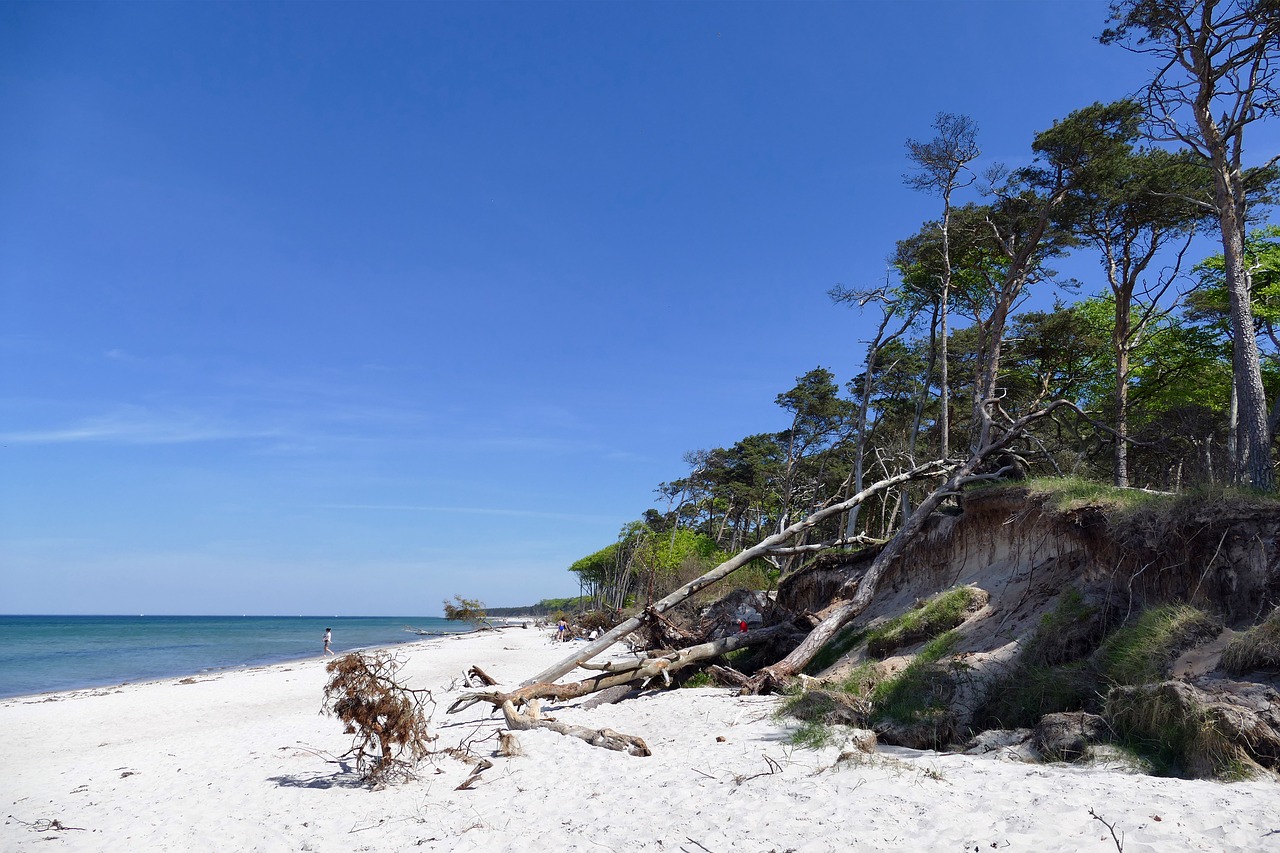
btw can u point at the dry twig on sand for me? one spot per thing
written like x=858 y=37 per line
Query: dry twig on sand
x=1111 y=827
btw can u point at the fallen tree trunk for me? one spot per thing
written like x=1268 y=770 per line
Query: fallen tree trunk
x=864 y=589
x=640 y=671
x=762 y=549
x=788 y=550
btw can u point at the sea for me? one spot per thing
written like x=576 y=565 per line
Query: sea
x=39 y=654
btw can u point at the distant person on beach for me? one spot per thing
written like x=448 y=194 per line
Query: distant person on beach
x=328 y=637
x=562 y=630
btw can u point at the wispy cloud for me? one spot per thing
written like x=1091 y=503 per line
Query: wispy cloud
x=471 y=510
x=133 y=425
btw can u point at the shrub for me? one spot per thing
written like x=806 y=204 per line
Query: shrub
x=1257 y=648
x=596 y=620
x=698 y=679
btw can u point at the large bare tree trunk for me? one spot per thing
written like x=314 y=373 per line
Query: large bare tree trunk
x=606 y=738
x=1253 y=453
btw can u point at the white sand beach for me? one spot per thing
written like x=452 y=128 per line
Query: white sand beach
x=236 y=761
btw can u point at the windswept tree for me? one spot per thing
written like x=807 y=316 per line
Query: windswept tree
x=465 y=610
x=819 y=417
x=896 y=316
x=1129 y=208
x=942 y=167
x=1216 y=74
x=1021 y=228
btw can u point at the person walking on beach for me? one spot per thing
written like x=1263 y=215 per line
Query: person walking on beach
x=562 y=631
x=328 y=636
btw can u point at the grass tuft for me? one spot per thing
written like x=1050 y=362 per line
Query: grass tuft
x=812 y=734
x=1166 y=726
x=1071 y=493
x=1020 y=700
x=1257 y=648
x=922 y=689
x=941 y=613
x=1143 y=651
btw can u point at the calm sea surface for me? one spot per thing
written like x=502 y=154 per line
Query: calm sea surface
x=44 y=653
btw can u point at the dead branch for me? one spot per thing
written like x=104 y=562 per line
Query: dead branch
x=773 y=767
x=614 y=665
x=481 y=766
x=726 y=676
x=742 y=558
x=660 y=632
x=860 y=539
x=47 y=825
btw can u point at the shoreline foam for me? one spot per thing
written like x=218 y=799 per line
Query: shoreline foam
x=240 y=760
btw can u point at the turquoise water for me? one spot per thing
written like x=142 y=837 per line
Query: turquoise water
x=44 y=653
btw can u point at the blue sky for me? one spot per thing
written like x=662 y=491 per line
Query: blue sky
x=345 y=309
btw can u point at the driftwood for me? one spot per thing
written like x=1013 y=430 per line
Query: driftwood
x=728 y=567
x=607 y=738
x=481 y=676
